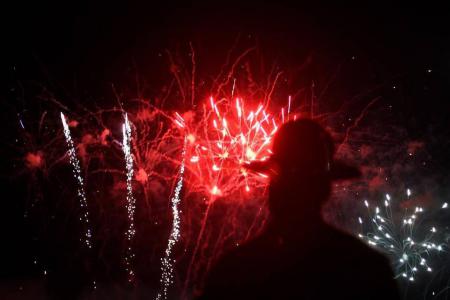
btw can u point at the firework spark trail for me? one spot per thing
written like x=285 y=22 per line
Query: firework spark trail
x=168 y=262
x=399 y=240
x=131 y=201
x=230 y=73
x=355 y=124
x=80 y=189
x=197 y=245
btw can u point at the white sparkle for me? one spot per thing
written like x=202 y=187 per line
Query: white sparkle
x=167 y=262
x=131 y=201
x=80 y=189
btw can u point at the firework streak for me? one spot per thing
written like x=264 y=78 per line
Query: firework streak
x=80 y=188
x=131 y=201
x=408 y=252
x=167 y=262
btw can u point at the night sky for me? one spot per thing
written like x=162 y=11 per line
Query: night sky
x=79 y=50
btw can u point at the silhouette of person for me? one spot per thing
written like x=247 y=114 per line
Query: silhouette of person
x=298 y=255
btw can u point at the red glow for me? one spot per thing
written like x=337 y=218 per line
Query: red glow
x=34 y=160
x=227 y=137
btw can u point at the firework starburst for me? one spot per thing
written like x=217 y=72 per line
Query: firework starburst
x=409 y=248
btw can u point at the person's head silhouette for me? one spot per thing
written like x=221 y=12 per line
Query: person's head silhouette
x=301 y=169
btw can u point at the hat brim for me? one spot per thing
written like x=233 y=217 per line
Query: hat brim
x=339 y=170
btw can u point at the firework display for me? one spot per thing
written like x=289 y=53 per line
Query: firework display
x=170 y=179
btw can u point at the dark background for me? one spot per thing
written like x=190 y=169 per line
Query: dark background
x=78 y=49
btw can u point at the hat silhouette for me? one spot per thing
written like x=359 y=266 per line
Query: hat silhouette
x=304 y=148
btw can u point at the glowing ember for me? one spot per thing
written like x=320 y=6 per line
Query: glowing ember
x=34 y=160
